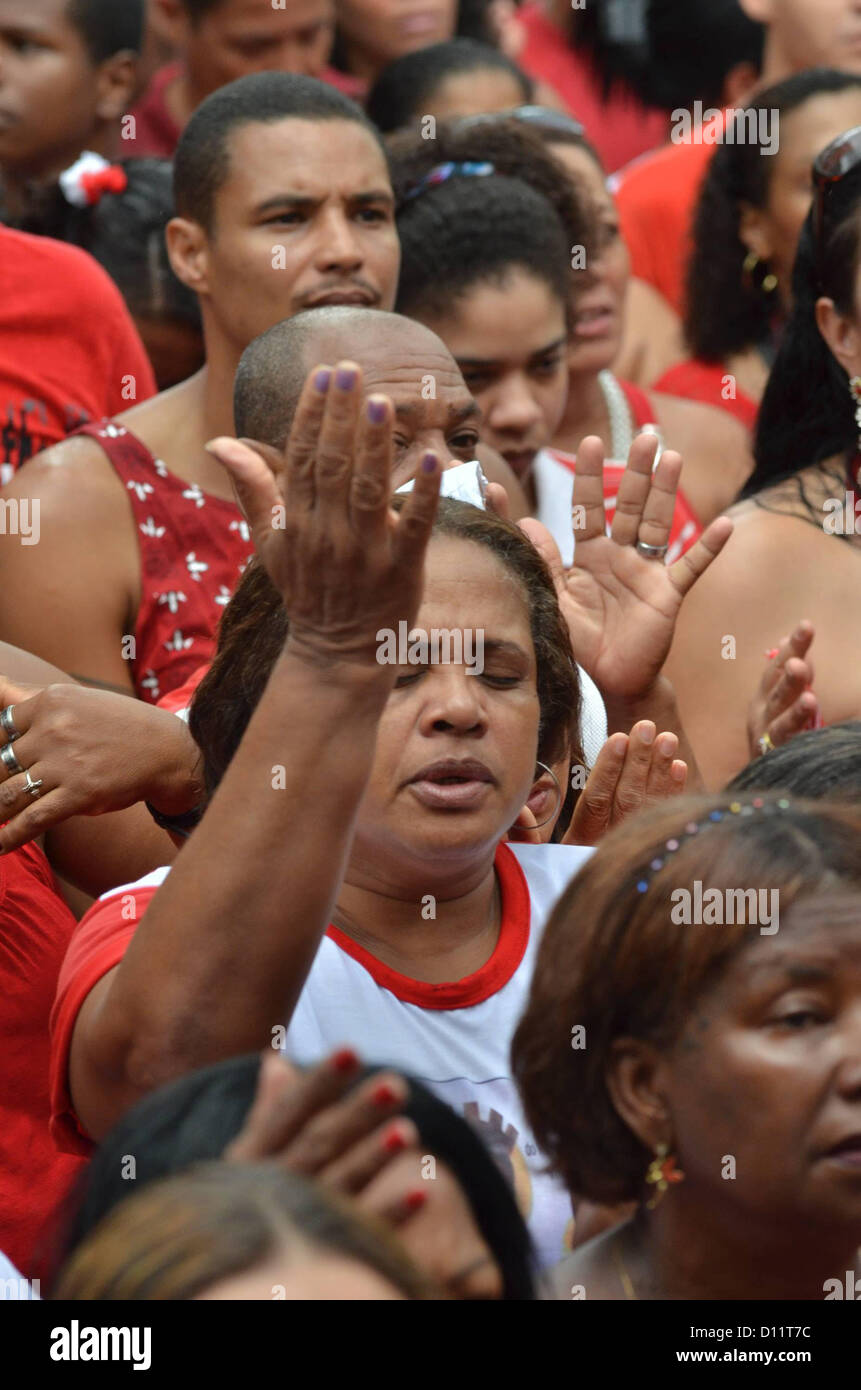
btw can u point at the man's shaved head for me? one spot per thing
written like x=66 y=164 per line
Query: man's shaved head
x=388 y=347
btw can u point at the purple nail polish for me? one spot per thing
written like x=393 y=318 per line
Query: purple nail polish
x=322 y=379
x=376 y=412
x=429 y=463
x=345 y=378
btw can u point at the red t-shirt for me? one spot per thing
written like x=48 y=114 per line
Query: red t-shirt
x=707 y=382
x=69 y=351
x=156 y=129
x=620 y=127
x=657 y=198
x=35 y=929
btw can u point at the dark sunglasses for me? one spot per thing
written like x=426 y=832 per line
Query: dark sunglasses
x=830 y=166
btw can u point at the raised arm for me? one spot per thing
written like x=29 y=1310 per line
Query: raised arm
x=223 y=950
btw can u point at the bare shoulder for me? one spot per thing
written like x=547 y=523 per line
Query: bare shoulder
x=74 y=477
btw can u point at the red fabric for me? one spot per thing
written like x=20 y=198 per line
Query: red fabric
x=656 y=199
x=493 y=975
x=157 y=132
x=620 y=127
x=704 y=381
x=178 y=700
x=68 y=347
x=35 y=929
x=193 y=548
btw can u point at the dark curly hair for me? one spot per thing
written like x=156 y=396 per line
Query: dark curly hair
x=254 y=627
x=469 y=231
x=613 y=961
x=725 y=314
x=514 y=150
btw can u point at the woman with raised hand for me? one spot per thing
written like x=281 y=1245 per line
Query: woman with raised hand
x=795 y=551
x=348 y=882
x=692 y=1045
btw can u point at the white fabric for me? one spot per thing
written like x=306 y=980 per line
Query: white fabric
x=14 y=1288
x=461 y=1054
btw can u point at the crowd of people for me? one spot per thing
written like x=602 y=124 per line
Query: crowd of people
x=430 y=755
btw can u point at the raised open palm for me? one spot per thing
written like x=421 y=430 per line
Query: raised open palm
x=621 y=607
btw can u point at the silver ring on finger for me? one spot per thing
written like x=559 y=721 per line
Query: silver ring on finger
x=7 y=724
x=652 y=552
x=10 y=762
x=33 y=786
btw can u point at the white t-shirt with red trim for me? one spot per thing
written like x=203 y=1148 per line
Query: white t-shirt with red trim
x=455 y=1037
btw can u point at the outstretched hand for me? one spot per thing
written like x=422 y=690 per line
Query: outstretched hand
x=631 y=771
x=620 y=607
x=345 y=563
x=784 y=704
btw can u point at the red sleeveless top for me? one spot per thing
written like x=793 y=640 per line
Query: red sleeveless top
x=707 y=381
x=193 y=548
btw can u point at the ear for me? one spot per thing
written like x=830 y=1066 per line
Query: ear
x=841 y=334
x=635 y=1080
x=188 y=252
x=762 y=11
x=117 y=85
x=754 y=231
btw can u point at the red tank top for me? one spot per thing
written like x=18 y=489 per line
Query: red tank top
x=35 y=929
x=193 y=548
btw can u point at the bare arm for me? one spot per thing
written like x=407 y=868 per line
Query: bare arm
x=72 y=596
x=222 y=952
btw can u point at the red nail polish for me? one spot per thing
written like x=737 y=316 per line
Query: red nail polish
x=384 y=1096
x=345 y=1060
x=415 y=1199
x=395 y=1142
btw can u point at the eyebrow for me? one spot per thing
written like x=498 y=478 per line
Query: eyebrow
x=502 y=647
x=457 y=414
x=797 y=971
x=496 y=361
x=301 y=201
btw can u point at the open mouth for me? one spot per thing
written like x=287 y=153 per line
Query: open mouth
x=345 y=296
x=593 y=323
x=452 y=785
x=847 y=1152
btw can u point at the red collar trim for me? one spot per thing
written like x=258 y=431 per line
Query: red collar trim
x=493 y=975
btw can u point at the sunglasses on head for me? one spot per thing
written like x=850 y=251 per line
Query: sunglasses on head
x=543 y=116
x=831 y=166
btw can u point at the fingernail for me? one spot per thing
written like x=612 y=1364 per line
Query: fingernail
x=395 y=1141
x=771 y=653
x=667 y=744
x=415 y=1199
x=376 y=411
x=345 y=1060
x=647 y=732
x=384 y=1096
x=345 y=378
x=429 y=463
x=321 y=380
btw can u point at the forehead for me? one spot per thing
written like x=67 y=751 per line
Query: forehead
x=256 y=16
x=508 y=320
x=468 y=582
x=809 y=128
x=315 y=158
x=584 y=171
x=35 y=15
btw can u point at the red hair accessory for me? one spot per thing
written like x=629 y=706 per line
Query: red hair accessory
x=89 y=178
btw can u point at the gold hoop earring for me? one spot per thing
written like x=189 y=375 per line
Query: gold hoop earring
x=559 y=797
x=767 y=282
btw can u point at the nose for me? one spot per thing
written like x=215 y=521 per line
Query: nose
x=453 y=702
x=338 y=246
x=514 y=409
